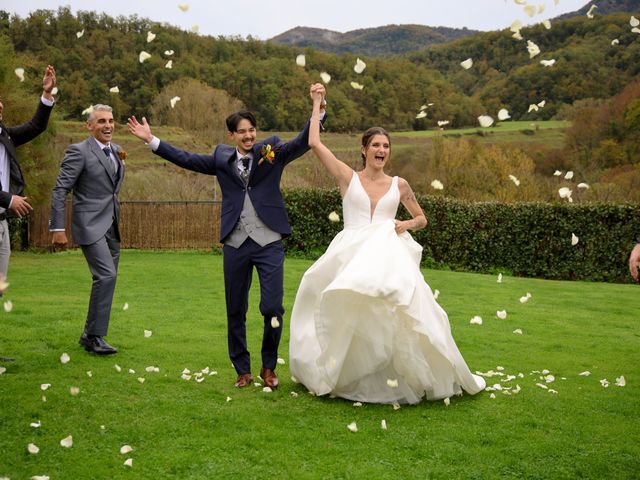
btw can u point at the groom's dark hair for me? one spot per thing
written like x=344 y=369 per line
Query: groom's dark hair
x=235 y=118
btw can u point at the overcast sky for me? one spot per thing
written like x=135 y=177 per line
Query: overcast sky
x=264 y=19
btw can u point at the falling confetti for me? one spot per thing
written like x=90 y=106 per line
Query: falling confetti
x=568 y=175
x=421 y=114
x=499 y=278
x=584 y=186
x=548 y=63
x=168 y=53
x=447 y=401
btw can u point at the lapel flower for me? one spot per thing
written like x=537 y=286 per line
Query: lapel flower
x=267 y=153
x=122 y=154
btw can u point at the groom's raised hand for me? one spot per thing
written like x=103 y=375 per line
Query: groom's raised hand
x=140 y=130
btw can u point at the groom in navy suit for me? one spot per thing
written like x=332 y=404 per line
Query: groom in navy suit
x=253 y=223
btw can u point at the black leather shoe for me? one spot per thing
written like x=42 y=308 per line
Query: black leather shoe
x=96 y=345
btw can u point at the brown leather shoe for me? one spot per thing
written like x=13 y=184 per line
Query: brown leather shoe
x=243 y=380
x=270 y=378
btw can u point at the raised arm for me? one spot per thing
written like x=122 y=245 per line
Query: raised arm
x=337 y=169
x=408 y=199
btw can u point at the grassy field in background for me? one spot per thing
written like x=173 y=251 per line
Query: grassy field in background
x=183 y=429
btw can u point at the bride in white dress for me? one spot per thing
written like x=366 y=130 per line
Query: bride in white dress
x=365 y=325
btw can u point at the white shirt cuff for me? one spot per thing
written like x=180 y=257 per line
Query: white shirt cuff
x=46 y=101
x=154 y=143
x=58 y=230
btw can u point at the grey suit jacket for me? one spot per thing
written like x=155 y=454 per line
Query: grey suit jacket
x=86 y=170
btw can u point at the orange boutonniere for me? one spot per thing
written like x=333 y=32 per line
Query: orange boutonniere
x=122 y=154
x=267 y=153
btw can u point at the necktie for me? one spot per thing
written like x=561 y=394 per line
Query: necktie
x=107 y=152
x=245 y=170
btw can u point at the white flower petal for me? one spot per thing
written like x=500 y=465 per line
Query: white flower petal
x=517 y=36
x=583 y=185
x=141 y=379
x=516 y=26
x=80 y=33
x=143 y=56
x=357 y=86
x=518 y=331
x=33 y=449
x=173 y=101
x=393 y=383
x=40 y=477
x=442 y=123
x=74 y=391
x=150 y=37
x=37 y=424
x=169 y=64
x=421 y=114
x=620 y=381
x=549 y=378
x=547 y=24
x=229 y=399
x=44 y=386
x=267 y=390
x=125 y=306
x=87 y=110
x=568 y=175
x=542 y=385
x=503 y=114
x=477 y=320
x=436 y=293
x=117 y=367
x=128 y=462
x=359 y=66
x=301 y=60
x=67 y=442
x=467 y=64
x=64 y=358
x=615 y=41
x=501 y=314
x=114 y=89
x=590 y=12
x=294 y=394
x=8 y=306
x=357 y=404
x=383 y=424
x=499 y=278
x=557 y=173
x=132 y=371
x=533 y=108
x=148 y=333
x=492 y=396
x=548 y=63
x=635 y=30
x=396 y=406
x=168 y=53
x=634 y=22
x=485 y=121
x=325 y=77
x=334 y=217
x=542 y=103
x=532 y=48
x=530 y=10
x=352 y=427
x=280 y=361
x=574 y=239
x=524 y=299
x=275 y=323
x=125 y=449
x=586 y=373
x=514 y=180
x=437 y=185
x=447 y=402
x=183 y=6
x=564 y=192
x=257 y=384
x=604 y=382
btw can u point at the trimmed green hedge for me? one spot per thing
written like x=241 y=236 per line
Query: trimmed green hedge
x=524 y=239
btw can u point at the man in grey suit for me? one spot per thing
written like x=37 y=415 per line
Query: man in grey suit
x=94 y=170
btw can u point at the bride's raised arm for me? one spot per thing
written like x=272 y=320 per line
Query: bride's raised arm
x=336 y=168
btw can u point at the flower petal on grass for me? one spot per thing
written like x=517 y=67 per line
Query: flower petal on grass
x=142 y=56
x=574 y=239
x=542 y=385
x=229 y=399
x=44 y=386
x=396 y=406
x=356 y=86
x=503 y=114
x=549 y=378
x=174 y=100
x=148 y=333
x=437 y=185
x=604 y=382
x=485 y=121
x=267 y=390
x=583 y=185
x=477 y=320
x=467 y=64
x=301 y=60
x=294 y=394
x=357 y=404
x=359 y=66
x=334 y=217
x=67 y=442
x=74 y=391
x=447 y=401
x=492 y=396
x=125 y=307
x=33 y=449
x=621 y=381
x=352 y=427
x=280 y=361
x=436 y=294
x=8 y=306
x=132 y=371
x=125 y=449
x=383 y=424
x=141 y=379
x=37 y=424
x=501 y=314
x=518 y=331
x=128 y=462
x=325 y=77
x=117 y=367
x=64 y=358
x=114 y=89
x=275 y=323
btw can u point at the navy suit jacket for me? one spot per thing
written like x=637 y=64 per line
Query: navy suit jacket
x=264 y=180
x=17 y=136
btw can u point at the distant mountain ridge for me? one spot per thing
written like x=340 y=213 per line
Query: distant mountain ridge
x=376 y=42
x=400 y=39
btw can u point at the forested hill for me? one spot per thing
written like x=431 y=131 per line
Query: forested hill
x=375 y=42
x=605 y=7
x=94 y=53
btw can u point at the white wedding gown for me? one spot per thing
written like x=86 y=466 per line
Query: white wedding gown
x=364 y=318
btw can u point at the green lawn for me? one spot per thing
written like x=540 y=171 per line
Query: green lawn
x=183 y=429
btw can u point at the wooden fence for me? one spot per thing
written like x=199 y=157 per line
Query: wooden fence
x=147 y=225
